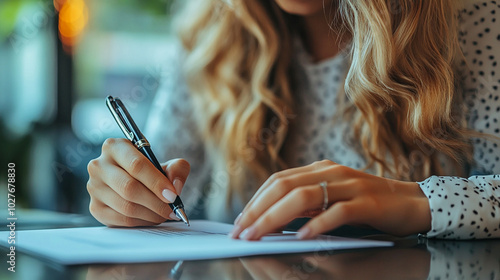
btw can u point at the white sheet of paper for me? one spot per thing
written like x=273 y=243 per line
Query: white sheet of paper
x=165 y=242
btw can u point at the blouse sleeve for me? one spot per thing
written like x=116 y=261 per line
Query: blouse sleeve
x=173 y=132
x=469 y=208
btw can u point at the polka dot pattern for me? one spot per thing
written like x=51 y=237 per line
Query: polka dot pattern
x=461 y=208
x=464 y=208
x=470 y=208
x=315 y=131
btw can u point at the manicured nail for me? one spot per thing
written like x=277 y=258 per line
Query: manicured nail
x=303 y=233
x=169 y=195
x=173 y=216
x=248 y=233
x=235 y=232
x=237 y=220
x=178 y=185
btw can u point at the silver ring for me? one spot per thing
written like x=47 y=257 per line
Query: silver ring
x=323 y=185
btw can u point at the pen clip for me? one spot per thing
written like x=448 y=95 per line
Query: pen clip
x=114 y=108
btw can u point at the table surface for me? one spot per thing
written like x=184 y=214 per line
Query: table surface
x=410 y=258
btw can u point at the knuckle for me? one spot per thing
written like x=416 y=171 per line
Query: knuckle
x=128 y=208
x=90 y=187
x=128 y=221
x=302 y=196
x=137 y=164
x=93 y=166
x=324 y=162
x=250 y=216
x=128 y=189
x=283 y=184
x=361 y=187
x=93 y=208
x=374 y=203
x=266 y=220
x=356 y=181
x=308 y=195
x=274 y=177
x=341 y=169
x=108 y=144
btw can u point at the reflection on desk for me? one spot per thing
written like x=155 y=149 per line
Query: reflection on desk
x=432 y=259
x=464 y=259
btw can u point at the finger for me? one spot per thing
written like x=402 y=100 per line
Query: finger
x=109 y=197
x=271 y=195
x=316 y=166
x=132 y=190
x=139 y=167
x=335 y=192
x=112 y=218
x=291 y=206
x=177 y=172
x=311 y=213
x=278 y=176
x=338 y=214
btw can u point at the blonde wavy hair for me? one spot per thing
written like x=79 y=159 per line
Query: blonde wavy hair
x=401 y=83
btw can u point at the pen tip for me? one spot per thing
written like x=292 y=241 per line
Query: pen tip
x=179 y=212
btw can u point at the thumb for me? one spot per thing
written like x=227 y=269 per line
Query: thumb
x=177 y=172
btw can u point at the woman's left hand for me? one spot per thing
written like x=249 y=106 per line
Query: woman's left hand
x=354 y=197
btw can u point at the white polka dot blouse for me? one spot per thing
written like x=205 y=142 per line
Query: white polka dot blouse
x=461 y=208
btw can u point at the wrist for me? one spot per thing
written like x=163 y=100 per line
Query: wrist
x=422 y=218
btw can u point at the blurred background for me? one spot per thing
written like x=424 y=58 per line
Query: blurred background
x=59 y=59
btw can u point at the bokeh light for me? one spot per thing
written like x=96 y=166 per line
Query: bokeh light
x=73 y=17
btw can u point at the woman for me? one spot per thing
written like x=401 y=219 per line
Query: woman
x=327 y=109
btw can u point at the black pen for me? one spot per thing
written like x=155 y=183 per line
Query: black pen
x=132 y=132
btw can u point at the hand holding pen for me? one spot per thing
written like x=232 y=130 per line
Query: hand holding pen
x=127 y=185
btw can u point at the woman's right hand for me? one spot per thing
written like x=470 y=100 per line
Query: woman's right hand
x=127 y=190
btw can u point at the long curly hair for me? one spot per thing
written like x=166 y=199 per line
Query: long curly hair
x=401 y=84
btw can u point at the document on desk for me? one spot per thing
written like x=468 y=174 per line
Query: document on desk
x=166 y=242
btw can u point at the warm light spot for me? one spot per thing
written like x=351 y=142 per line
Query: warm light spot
x=58 y=4
x=73 y=17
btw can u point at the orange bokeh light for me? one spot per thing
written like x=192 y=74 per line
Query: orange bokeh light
x=73 y=17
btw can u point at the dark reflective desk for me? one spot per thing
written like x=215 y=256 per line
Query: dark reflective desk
x=410 y=258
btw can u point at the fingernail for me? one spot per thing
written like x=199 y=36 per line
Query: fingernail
x=169 y=195
x=237 y=220
x=235 y=232
x=303 y=233
x=173 y=216
x=248 y=233
x=178 y=185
